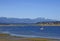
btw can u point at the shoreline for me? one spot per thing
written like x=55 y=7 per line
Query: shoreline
x=26 y=36
x=34 y=25
x=6 y=37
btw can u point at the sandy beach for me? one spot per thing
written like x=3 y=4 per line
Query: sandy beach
x=7 y=37
x=27 y=39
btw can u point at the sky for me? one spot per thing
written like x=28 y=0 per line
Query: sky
x=30 y=9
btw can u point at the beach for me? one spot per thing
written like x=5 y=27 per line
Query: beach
x=7 y=37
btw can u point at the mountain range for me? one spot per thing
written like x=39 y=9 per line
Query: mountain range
x=23 y=20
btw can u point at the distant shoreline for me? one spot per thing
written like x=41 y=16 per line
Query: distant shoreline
x=32 y=25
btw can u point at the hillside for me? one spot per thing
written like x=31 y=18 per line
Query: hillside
x=23 y=20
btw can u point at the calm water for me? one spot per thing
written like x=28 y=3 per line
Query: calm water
x=32 y=31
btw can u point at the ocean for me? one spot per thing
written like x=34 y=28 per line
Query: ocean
x=32 y=31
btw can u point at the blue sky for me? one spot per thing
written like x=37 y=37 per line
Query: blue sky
x=30 y=8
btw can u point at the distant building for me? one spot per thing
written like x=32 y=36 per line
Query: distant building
x=52 y=22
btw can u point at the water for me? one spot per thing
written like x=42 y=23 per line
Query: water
x=32 y=31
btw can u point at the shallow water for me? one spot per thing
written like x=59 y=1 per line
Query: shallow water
x=32 y=31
